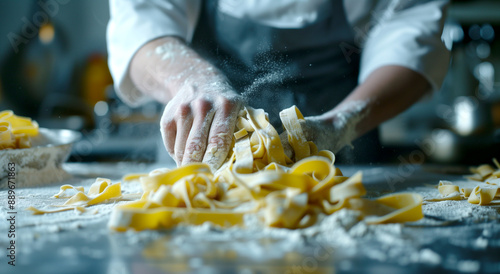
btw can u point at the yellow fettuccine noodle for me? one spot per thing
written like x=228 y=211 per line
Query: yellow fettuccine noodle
x=100 y=191
x=15 y=131
x=257 y=178
x=482 y=194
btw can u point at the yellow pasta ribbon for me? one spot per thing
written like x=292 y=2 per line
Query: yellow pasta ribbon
x=100 y=191
x=447 y=188
x=258 y=178
x=291 y=118
x=482 y=194
x=15 y=131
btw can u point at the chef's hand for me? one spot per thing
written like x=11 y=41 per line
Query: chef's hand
x=201 y=107
x=324 y=134
x=332 y=131
x=198 y=124
x=327 y=135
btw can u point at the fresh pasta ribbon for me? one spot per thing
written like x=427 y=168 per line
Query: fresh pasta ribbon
x=406 y=207
x=100 y=191
x=448 y=190
x=291 y=118
x=15 y=131
x=37 y=211
x=482 y=194
x=466 y=191
x=446 y=187
x=257 y=178
x=133 y=176
x=485 y=172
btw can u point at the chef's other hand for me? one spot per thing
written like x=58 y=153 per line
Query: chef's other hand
x=324 y=135
x=332 y=131
x=198 y=124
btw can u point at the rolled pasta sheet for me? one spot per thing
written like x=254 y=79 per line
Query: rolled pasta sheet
x=291 y=118
x=165 y=197
x=483 y=170
x=244 y=156
x=142 y=215
x=407 y=208
x=285 y=208
x=100 y=191
x=495 y=182
x=447 y=188
x=466 y=191
x=482 y=195
x=352 y=188
x=152 y=183
x=15 y=131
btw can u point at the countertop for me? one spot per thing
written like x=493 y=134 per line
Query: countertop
x=68 y=242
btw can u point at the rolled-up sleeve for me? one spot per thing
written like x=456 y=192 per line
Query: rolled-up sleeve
x=408 y=35
x=132 y=24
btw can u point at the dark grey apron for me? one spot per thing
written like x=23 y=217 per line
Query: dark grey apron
x=276 y=68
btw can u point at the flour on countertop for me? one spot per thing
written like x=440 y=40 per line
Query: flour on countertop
x=340 y=234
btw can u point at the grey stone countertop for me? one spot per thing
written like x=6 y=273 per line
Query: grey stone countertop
x=454 y=237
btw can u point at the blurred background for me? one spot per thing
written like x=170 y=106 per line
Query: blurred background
x=53 y=68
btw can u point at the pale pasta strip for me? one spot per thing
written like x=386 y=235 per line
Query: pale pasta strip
x=482 y=194
x=100 y=191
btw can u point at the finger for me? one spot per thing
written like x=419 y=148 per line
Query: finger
x=184 y=121
x=168 y=131
x=286 y=145
x=221 y=133
x=197 y=140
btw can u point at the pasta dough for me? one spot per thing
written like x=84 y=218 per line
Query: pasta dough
x=257 y=178
x=15 y=131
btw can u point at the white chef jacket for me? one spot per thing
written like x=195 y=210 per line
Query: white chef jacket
x=387 y=32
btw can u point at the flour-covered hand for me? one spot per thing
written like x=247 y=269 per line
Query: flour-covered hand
x=198 y=123
x=334 y=130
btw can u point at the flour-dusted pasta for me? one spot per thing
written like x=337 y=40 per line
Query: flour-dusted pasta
x=483 y=194
x=257 y=178
x=15 y=131
x=101 y=190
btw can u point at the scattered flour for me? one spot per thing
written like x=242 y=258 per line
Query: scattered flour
x=340 y=236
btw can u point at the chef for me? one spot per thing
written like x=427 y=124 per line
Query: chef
x=347 y=65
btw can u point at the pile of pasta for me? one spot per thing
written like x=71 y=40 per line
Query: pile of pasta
x=257 y=178
x=483 y=194
x=15 y=131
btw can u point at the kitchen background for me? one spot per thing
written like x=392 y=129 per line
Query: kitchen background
x=56 y=73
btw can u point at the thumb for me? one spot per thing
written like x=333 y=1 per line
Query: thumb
x=286 y=146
